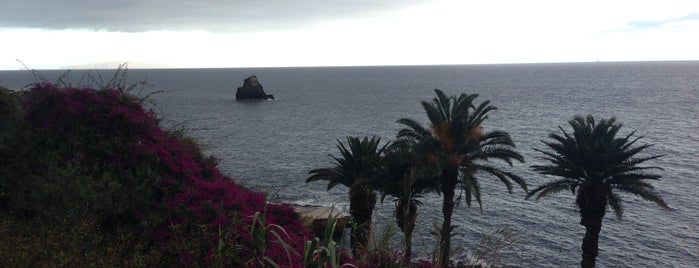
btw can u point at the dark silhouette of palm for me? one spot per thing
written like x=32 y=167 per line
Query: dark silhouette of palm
x=357 y=164
x=406 y=178
x=597 y=166
x=455 y=144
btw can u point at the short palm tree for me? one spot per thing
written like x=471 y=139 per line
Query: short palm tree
x=354 y=168
x=406 y=178
x=597 y=166
x=454 y=142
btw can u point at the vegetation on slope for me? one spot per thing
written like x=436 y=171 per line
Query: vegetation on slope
x=88 y=177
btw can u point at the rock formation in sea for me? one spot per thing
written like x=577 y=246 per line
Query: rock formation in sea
x=252 y=90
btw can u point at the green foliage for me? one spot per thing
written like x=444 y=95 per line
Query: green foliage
x=489 y=250
x=259 y=231
x=9 y=108
x=357 y=162
x=93 y=166
x=81 y=244
x=95 y=79
x=382 y=241
x=10 y=113
x=458 y=149
x=355 y=168
x=437 y=234
x=407 y=178
x=72 y=179
x=325 y=253
x=597 y=166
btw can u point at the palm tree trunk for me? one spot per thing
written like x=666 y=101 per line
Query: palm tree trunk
x=592 y=209
x=449 y=180
x=408 y=251
x=590 y=241
x=408 y=227
x=361 y=209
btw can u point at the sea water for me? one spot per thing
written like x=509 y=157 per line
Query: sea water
x=272 y=145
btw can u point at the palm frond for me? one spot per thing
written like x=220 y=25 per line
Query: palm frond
x=644 y=193
x=497 y=138
x=553 y=187
x=414 y=129
x=504 y=176
x=561 y=169
x=638 y=160
x=357 y=161
x=471 y=189
x=496 y=152
x=614 y=201
x=481 y=113
x=626 y=178
x=331 y=175
x=592 y=155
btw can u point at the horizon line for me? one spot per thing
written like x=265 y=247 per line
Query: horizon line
x=115 y=65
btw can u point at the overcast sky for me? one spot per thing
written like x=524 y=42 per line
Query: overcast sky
x=50 y=34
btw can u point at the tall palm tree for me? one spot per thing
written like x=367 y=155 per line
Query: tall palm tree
x=454 y=142
x=354 y=168
x=406 y=178
x=596 y=166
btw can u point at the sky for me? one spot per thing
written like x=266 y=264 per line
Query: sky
x=73 y=34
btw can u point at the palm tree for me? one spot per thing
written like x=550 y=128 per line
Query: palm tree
x=455 y=144
x=357 y=164
x=596 y=166
x=406 y=178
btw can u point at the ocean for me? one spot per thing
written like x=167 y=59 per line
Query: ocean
x=272 y=145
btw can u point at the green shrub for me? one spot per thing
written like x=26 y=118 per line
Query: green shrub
x=88 y=178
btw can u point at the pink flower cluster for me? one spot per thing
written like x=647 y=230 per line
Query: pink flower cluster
x=190 y=188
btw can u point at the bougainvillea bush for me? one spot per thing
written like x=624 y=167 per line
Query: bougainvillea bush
x=89 y=177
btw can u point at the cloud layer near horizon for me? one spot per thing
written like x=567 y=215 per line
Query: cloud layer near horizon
x=186 y=15
x=268 y=33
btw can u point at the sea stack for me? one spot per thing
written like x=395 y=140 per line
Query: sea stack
x=252 y=90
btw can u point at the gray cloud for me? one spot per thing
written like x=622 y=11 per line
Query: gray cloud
x=207 y=15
